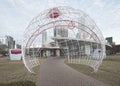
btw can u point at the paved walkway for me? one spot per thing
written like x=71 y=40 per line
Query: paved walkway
x=54 y=72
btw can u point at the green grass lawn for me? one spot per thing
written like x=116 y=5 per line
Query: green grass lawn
x=19 y=83
x=14 y=73
x=109 y=71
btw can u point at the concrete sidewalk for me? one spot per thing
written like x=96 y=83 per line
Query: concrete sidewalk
x=54 y=72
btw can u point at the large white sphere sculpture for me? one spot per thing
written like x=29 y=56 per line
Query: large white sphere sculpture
x=72 y=31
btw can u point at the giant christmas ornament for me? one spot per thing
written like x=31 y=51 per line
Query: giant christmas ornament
x=72 y=31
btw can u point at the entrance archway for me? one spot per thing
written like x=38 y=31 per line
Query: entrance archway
x=68 y=31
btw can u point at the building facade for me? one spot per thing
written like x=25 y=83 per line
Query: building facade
x=111 y=47
x=50 y=47
x=8 y=41
x=61 y=31
x=44 y=38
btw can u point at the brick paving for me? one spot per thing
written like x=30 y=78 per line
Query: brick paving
x=54 y=72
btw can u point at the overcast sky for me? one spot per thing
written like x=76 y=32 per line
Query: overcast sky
x=15 y=15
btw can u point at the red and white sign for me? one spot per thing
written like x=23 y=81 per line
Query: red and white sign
x=15 y=54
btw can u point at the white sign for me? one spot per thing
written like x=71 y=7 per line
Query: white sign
x=15 y=54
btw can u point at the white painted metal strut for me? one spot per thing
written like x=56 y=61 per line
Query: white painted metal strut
x=82 y=35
